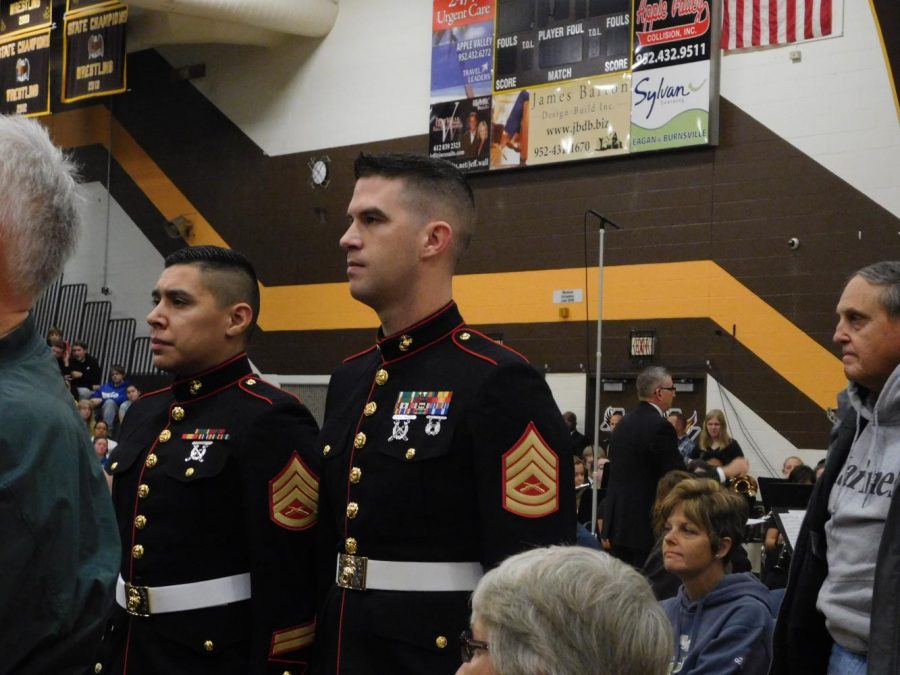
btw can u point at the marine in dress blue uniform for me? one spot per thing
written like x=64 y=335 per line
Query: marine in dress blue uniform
x=442 y=451
x=215 y=490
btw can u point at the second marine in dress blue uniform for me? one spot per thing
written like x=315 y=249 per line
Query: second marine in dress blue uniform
x=215 y=491
x=442 y=452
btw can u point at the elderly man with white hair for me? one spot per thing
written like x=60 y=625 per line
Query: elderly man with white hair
x=60 y=548
x=565 y=611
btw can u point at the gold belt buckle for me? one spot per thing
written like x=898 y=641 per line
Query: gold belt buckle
x=352 y=572
x=137 y=600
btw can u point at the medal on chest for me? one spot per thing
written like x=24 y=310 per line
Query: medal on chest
x=201 y=439
x=433 y=405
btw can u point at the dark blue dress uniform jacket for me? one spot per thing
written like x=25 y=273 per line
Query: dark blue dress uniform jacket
x=191 y=510
x=439 y=445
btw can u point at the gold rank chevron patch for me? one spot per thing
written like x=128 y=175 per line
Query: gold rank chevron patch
x=294 y=496
x=291 y=639
x=531 y=476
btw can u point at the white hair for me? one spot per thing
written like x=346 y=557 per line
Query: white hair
x=39 y=219
x=569 y=610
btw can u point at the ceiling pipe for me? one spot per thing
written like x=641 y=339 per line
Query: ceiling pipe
x=157 y=29
x=308 y=18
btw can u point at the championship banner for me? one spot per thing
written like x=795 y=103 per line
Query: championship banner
x=670 y=107
x=23 y=15
x=94 y=53
x=460 y=132
x=78 y=5
x=25 y=75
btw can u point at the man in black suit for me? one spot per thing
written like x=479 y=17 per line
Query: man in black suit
x=470 y=137
x=644 y=447
x=579 y=440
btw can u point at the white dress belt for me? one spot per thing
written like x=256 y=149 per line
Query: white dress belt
x=393 y=575
x=196 y=595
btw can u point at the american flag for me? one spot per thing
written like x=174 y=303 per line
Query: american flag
x=758 y=23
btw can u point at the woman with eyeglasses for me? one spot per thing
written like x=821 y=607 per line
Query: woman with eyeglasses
x=715 y=446
x=722 y=622
x=531 y=616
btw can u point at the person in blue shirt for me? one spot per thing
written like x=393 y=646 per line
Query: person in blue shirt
x=111 y=395
x=722 y=623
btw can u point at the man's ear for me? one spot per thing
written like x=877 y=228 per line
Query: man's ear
x=239 y=318
x=438 y=237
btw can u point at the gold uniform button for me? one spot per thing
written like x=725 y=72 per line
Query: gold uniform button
x=112 y=467
x=250 y=382
x=287 y=672
x=208 y=645
x=326 y=449
x=370 y=408
x=410 y=453
x=359 y=441
x=164 y=436
x=140 y=522
x=137 y=551
x=143 y=490
x=355 y=475
x=440 y=641
x=405 y=342
x=381 y=377
x=196 y=386
x=188 y=472
x=464 y=336
x=352 y=510
x=350 y=545
x=177 y=413
x=151 y=461
x=98 y=667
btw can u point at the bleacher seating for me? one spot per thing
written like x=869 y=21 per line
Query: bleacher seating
x=93 y=327
x=141 y=362
x=69 y=309
x=110 y=341
x=119 y=339
x=44 y=310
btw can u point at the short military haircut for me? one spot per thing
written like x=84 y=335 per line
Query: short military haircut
x=435 y=188
x=39 y=219
x=229 y=276
x=712 y=508
x=649 y=380
x=885 y=274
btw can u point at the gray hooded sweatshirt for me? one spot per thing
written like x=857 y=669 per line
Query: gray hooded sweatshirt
x=858 y=507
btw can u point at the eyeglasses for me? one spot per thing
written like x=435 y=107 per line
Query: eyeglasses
x=667 y=388
x=468 y=646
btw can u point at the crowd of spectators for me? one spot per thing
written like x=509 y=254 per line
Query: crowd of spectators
x=721 y=614
x=98 y=402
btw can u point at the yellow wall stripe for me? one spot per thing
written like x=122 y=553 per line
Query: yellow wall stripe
x=631 y=292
